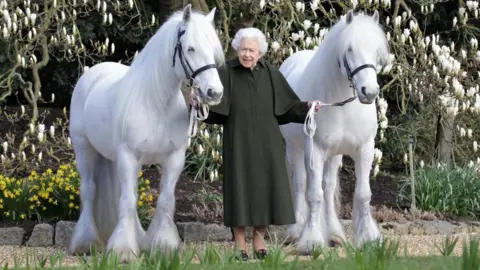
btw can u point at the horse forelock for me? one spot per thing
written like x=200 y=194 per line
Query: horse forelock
x=363 y=34
x=201 y=33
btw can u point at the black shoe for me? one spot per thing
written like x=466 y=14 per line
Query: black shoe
x=243 y=256
x=261 y=254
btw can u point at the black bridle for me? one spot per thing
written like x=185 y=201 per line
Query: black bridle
x=189 y=72
x=350 y=75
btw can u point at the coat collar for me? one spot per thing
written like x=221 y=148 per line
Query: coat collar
x=236 y=62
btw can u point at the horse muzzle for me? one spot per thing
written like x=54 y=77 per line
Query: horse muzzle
x=366 y=97
x=211 y=97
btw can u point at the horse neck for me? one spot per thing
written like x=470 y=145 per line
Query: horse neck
x=157 y=84
x=163 y=88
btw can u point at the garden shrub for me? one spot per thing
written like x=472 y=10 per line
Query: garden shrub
x=444 y=190
x=204 y=155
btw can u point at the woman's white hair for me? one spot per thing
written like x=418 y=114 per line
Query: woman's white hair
x=250 y=33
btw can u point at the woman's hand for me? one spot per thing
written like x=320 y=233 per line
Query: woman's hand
x=318 y=105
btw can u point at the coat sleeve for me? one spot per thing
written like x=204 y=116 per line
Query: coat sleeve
x=218 y=114
x=288 y=106
x=296 y=114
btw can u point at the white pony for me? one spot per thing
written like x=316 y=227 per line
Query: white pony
x=349 y=56
x=124 y=117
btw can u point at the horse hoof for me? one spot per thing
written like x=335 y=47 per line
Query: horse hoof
x=333 y=243
x=290 y=241
x=125 y=256
x=306 y=248
x=79 y=251
x=84 y=249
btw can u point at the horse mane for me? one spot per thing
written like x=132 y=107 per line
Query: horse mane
x=362 y=32
x=150 y=82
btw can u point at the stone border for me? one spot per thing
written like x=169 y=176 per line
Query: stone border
x=58 y=236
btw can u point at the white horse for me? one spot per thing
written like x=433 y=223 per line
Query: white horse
x=349 y=57
x=124 y=117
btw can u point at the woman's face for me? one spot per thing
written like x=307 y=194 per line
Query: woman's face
x=249 y=52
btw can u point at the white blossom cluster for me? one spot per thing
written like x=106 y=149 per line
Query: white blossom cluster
x=36 y=131
x=448 y=70
x=205 y=148
x=24 y=23
x=26 y=26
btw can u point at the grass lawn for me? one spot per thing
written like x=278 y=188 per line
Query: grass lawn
x=374 y=256
x=410 y=263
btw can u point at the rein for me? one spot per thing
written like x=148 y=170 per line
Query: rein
x=310 y=125
x=198 y=112
x=195 y=114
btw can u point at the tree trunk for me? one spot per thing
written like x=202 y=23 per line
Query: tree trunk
x=167 y=7
x=445 y=126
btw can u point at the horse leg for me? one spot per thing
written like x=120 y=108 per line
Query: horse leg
x=330 y=179
x=295 y=158
x=124 y=239
x=364 y=227
x=314 y=232
x=163 y=232
x=85 y=233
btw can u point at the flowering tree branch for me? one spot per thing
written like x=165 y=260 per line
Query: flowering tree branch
x=49 y=29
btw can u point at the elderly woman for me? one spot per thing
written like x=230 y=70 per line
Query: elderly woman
x=257 y=99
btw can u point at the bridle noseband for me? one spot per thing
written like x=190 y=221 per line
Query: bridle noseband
x=200 y=111
x=187 y=68
x=350 y=75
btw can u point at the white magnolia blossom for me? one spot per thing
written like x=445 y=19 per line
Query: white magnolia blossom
x=307 y=24
x=262 y=3
x=275 y=46
x=52 y=131
x=300 y=6
x=377 y=155
x=5 y=147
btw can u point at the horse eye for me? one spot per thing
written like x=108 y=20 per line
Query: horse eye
x=191 y=49
x=349 y=49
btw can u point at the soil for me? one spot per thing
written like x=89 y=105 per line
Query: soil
x=202 y=202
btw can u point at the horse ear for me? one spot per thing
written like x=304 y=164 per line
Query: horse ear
x=187 y=13
x=211 y=15
x=376 y=16
x=349 y=16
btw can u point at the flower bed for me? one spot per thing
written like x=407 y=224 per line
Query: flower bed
x=52 y=195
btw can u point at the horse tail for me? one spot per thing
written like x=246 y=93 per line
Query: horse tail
x=107 y=196
x=337 y=195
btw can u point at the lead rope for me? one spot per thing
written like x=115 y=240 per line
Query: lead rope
x=310 y=126
x=198 y=112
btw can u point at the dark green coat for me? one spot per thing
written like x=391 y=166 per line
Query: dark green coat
x=256 y=189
